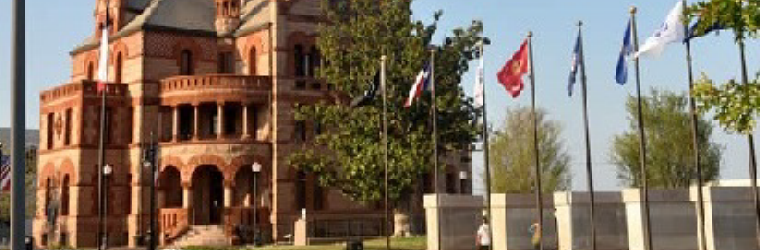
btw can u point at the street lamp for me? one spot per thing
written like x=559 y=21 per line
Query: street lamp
x=148 y=165
x=462 y=181
x=107 y=169
x=256 y=167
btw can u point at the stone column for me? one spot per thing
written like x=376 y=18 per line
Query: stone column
x=187 y=195
x=227 y=195
x=246 y=133
x=220 y=120
x=196 y=122
x=175 y=123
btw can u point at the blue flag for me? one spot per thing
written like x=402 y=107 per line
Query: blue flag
x=692 y=32
x=621 y=72
x=574 y=64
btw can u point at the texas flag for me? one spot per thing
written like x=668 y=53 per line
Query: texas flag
x=421 y=83
x=103 y=54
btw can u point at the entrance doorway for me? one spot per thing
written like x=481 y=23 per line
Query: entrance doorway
x=208 y=196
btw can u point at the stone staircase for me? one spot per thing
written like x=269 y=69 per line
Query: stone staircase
x=212 y=235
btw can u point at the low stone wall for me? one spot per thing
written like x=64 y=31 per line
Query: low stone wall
x=513 y=215
x=456 y=216
x=673 y=219
x=729 y=218
x=573 y=220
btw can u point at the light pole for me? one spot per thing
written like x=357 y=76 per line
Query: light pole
x=149 y=166
x=256 y=167
x=107 y=169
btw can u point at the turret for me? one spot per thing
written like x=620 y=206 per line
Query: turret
x=227 y=16
x=115 y=15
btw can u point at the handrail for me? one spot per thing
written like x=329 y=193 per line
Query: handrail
x=216 y=81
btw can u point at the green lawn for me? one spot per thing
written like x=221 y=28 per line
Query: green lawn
x=411 y=243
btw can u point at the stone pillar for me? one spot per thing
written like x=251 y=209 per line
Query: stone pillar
x=227 y=195
x=187 y=195
x=246 y=133
x=220 y=120
x=458 y=218
x=196 y=122
x=175 y=123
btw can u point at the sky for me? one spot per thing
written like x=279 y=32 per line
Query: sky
x=53 y=28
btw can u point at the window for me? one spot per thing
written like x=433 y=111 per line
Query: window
x=300 y=131
x=451 y=183
x=319 y=203
x=65 y=195
x=226 y=63
x=186 y=63
x=48 y=193
x=90 y=71
x=67 y=134
x=252 y=62
x=129 y=124
x=300 y=190
x=118 y=69
x=108 y=118
x=230 y=119
x=50 y=130
x=315 y=61
x=317 y=128
x=298 y=59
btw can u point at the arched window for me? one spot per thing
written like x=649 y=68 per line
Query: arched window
x=90 y=71
x=48 y=193
x=118 y=68
x=252 y=61
x=298 y=59
x=65 y=185
x=186 y=62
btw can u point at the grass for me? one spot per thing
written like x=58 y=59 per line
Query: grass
x=410 y=243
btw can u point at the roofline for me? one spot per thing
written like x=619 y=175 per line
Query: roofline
x=147 y=27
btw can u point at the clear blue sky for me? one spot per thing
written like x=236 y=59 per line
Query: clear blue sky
x=54 y=27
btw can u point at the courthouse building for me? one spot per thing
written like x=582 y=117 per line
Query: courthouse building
x=214 y=83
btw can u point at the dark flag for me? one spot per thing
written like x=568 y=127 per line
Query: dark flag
x=621 y=72
x=576 y=61
x=369 y=94
x=694 y=33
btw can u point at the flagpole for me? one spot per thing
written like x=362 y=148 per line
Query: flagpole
x=102 y=234
x=487 y=167
x=18 y=127
x=589 y=166
x=539 y=196
x=435 y=145
x=695 y=140
x=642 y=140
x=751 y=142
x=385 y=151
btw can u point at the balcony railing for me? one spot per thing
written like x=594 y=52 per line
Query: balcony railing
x=84 y=88
x=216 y=81
x=173 y=223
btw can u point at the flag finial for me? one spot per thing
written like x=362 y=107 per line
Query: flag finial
x=530 y=33
x=633 y=10
x=384 y=57
x=580 y=23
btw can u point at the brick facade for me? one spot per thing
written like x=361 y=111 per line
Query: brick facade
x=211 y=127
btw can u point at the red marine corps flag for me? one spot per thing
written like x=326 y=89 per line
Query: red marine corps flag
x=511 y=75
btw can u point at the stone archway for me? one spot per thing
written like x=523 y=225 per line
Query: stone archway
x=208 y=195
x=169 y=188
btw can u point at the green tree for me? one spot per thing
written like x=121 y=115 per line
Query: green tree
x=735 y=105
x=356 y=35
x=667 y=124
x=512 y=156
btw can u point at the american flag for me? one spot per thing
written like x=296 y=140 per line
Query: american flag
x=5 y=173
